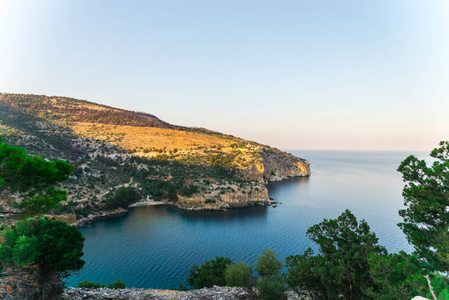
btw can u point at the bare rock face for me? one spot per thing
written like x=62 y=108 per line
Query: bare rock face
x=213 y=293
x=228 y=197
x=216 y=293
x=277 y=166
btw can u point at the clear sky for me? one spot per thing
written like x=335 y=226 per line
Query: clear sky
x=300 y=74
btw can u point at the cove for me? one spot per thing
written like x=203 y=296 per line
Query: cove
x=155 y=246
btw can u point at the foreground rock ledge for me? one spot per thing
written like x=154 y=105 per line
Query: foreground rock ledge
x=214 y=293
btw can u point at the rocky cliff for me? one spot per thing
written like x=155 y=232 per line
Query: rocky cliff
x=231 y=196
x=276 y=166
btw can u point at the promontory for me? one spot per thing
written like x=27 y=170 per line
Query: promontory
x=120 y=157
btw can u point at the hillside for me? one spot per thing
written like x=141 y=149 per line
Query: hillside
x=189 y=167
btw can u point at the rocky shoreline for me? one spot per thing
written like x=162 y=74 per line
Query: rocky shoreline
x=213 y=293
x=121 y=211
x=196 y=203
x=99 y=215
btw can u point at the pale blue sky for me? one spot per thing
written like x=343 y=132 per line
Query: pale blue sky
x=362 y=75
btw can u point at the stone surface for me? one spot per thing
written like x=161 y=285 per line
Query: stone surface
x=214 y=293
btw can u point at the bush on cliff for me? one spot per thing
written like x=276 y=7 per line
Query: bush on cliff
x=239 y=275
x=118 y=284
x=211 y=273
x=270 y=285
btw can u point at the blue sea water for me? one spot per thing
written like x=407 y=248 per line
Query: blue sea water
x=155 y=247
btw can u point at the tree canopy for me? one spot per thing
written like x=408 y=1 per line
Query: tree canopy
x=48 y=249
x=33 y=177
x=341 y=268
x=426 y=216
x=212 y=272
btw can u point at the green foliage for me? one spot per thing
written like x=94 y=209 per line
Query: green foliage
x=90 y=285
x=221 y=159
x=341 y=268
x=210 y=273
x=53 y=245
x=118 y=284
x=271 y=288
x=426 y=218
x=396 y=276
x=440 y=284
x=32 y=176
x=270 y=285
x=123 y=198
x=47 y=249
x=267 y=264
x=239 y=274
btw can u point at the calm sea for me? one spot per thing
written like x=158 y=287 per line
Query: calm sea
x=155 y=247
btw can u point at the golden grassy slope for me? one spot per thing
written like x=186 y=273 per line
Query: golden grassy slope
x=178 y=144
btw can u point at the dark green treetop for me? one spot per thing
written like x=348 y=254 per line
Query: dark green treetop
x=268 y=264
x=426 y=216
x=53 y=245
x=341 y=268
x=270 y=285
x=212 y=272
x=40 y=252
x=33 y=177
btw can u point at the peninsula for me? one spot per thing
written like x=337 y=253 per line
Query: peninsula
x=118 y=153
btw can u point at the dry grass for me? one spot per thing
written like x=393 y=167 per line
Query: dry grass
x=152 y=141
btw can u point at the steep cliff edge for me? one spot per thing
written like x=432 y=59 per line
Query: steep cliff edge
x=229 y=197
x=276 y=166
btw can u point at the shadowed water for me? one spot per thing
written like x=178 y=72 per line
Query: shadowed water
x=155 y=247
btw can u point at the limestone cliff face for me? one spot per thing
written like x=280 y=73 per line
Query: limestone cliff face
x=276 y=166
x=219 y=200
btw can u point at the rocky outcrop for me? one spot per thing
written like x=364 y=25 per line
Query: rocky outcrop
x=228 y=197
x=222 y=293
x=276 y=166
x=214 y=293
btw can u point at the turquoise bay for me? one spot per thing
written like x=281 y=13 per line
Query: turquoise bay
x=154 y=247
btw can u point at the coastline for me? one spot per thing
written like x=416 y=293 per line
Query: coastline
x=147 y=203
x=122 y=211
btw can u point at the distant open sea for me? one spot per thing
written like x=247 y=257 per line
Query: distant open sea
x=155 y=247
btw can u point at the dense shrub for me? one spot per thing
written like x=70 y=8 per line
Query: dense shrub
x=118 y=284
x=239 y=274
x=270 y=285
x=271 y=288
x=210 y=273
x=90 y=285
x=267 y=264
